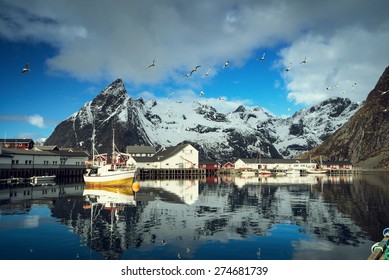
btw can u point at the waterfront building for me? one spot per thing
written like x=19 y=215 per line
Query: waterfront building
x=178 y=157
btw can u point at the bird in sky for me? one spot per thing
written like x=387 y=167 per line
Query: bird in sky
x=26 y=68
x=226 y=64
x=207 y=73
x=152 y=63
x=288 y=68
x=304 y=61
x=328 y=87
x=170 y=94
x=262 y=58
x=354 y=85
x=194 y=70
x=221 y=98
x=201 y=93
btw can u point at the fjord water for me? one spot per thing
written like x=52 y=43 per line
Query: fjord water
x=219 y=218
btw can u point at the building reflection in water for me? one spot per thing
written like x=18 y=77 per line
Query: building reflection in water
x=170 y=219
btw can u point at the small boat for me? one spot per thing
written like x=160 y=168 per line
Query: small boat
x=118 y=172
x=316 y=171
x=46 y=180
x=264 y=172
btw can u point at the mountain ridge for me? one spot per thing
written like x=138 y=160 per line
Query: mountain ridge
x=218 y=136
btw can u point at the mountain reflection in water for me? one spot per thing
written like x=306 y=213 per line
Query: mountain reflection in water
x=287 y=217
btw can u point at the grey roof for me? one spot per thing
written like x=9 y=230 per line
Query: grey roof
x=7 y=151
x=16 y=140
x=140 y=150
x=47 y=148
x=162 y=154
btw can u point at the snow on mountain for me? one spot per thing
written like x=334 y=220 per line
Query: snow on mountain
x=217 y=136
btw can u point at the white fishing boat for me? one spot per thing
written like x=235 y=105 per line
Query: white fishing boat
x=316 y=171
x=119 y=172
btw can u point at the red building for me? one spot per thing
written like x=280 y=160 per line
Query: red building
x=210 y=167
x=17 y=143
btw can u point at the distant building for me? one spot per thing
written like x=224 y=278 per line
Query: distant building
x=179 y=157
x=287 y=164
x=273 y=164
x=17 y=143
x=211 y=167
x=33 y=159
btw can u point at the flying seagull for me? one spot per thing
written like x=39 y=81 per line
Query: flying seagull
x=262 y=58
x=194 y=70
x=27 y=68
x=354 y=85
x=288 y=68
x=207 y=73
x=225 y=64
x=201 y=93
x=152 y=63
x=304 y=61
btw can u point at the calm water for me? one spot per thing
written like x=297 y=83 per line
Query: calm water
x=307 y=217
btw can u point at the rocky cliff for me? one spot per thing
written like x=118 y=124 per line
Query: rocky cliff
x=364 y=138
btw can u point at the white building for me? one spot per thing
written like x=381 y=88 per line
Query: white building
x=273 y=164
x=26 y=159
x=179 y=157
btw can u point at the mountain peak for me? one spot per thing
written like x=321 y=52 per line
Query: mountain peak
x=114 y=88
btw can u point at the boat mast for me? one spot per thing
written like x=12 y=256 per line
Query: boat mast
x=93 y=142
x=113 y=149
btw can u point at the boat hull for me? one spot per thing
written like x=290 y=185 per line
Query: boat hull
x=316 y=171
x=115 y=178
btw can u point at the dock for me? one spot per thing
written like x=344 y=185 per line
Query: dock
x=171 y=173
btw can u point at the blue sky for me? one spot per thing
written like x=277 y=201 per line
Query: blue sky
x=77 y=48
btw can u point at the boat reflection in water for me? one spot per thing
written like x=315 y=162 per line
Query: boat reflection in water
x=276 y=217
x=108 y=208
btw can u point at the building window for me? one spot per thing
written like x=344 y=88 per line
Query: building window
x=55 y=163
x=46 y=162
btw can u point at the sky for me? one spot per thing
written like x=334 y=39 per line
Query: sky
x=77 y=48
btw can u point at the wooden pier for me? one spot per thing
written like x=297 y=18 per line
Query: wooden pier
x=171 y=173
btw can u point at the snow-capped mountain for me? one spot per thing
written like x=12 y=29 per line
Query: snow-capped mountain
x=217 y=136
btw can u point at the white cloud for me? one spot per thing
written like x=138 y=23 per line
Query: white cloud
x=351 y=55
x=344 y=40
x=36 y=120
